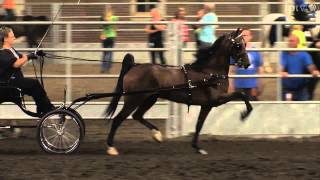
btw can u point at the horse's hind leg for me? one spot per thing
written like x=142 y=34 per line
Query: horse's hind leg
x=142 y=109
x=127 y=109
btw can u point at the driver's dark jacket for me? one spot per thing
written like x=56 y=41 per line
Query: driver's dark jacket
x=14 y=77
x=7 y=59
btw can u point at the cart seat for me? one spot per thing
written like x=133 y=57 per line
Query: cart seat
x=13 y=94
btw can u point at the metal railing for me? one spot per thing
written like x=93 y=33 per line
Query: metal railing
x=174 y=49
x=173 y=39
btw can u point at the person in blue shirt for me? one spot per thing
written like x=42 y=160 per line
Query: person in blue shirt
x=250 y=86
x=207 y=33
x=315 y=55
x=295 y=62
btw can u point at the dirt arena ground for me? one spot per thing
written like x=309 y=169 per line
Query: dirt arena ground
x=142 y=158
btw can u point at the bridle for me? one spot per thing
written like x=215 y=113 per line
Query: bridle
x=237 y=45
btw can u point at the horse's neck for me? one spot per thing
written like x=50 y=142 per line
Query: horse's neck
x=219 y=63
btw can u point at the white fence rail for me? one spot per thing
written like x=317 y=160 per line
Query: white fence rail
x=160 y=22
x=267 y=120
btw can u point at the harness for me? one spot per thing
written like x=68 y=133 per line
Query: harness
x=189 y=85
x=212 y=80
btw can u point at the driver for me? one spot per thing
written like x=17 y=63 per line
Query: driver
x=11 y=62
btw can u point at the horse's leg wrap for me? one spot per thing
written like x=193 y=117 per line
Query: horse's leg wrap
x=112 y=151
x=157 y=135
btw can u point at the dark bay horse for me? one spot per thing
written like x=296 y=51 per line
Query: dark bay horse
x=33 y=33
x=209 y=73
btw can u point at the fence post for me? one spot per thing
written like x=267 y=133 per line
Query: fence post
x=27 y=8
x=172 y=124
x=287 y=8
x=162 y=7
x=179 y=113
x=55 y=7
x=68 y=66
x=279 y=84
x=263 y=11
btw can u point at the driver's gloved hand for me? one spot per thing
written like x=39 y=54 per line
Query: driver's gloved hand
x=32 y=56
x=40 y=53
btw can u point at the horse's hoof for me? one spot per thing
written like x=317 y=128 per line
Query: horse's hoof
x=202 y=152
x=244 y=116
x=157 y=136
x=112 y=151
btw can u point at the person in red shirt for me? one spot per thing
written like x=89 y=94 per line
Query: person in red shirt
x=9 y=6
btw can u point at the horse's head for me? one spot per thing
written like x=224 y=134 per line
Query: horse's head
x=238 y=49
x=34 y=32
x=227 y=45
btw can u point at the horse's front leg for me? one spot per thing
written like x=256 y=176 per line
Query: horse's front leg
x=237 y=96
x=202 y=117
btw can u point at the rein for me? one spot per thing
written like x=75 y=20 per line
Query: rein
x=68 y=58
x=211 y=80
x=41 y=59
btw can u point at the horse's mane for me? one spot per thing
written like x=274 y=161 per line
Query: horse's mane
x=203 y=55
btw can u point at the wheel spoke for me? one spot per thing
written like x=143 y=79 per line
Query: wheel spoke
x=54 y=141
x=64 y=144
x=60 y=132
x=49 y=138
x=70 y=136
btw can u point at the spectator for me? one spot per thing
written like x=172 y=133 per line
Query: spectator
x=207 y=32
x=155 y=35
x=297 y=31
x=107 y=37
x=197 y=28
x=295 y=62
x=9 y=6
x=183 y=28
x=315 y=55
x=250 y=86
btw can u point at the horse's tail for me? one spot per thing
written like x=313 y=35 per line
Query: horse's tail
x=127 y=64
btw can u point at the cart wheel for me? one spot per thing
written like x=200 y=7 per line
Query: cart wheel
x=60 y=132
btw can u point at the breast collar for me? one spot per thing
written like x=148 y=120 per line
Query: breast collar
x=210 y=80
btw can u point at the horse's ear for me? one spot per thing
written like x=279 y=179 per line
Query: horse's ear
x=239 y=31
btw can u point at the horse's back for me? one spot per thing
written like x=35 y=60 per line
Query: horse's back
x=149 y=76
x=32 y=32
x=38 y=30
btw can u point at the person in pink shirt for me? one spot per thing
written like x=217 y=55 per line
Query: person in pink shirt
x=182 y=28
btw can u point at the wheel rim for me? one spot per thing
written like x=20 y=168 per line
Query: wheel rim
x=60 y=133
